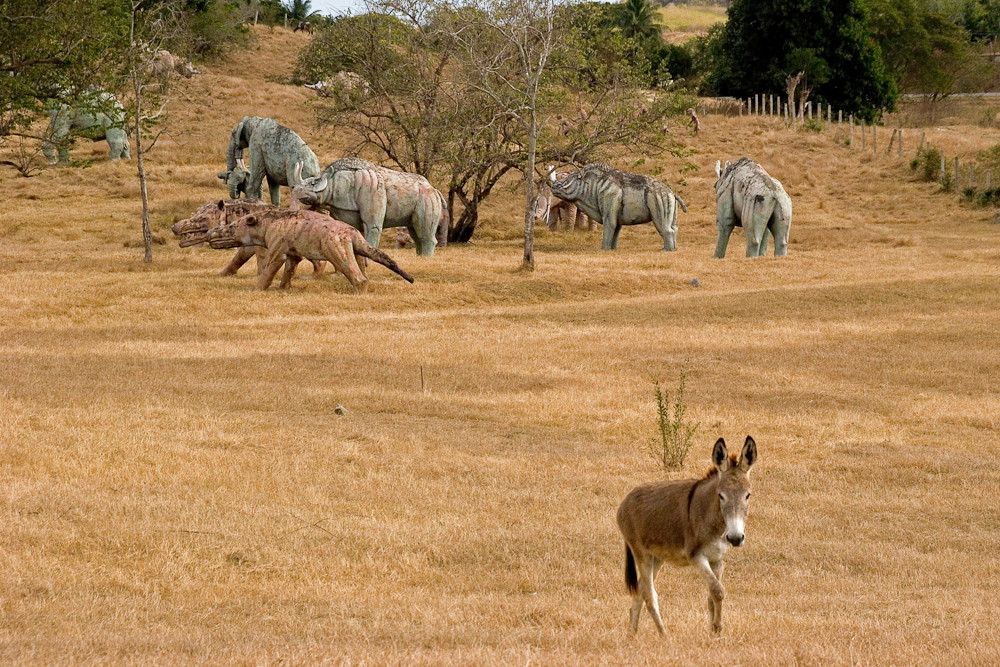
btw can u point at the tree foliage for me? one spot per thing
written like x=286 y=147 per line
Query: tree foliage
x=765 y=40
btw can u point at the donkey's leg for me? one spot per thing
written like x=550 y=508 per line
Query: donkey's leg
x=715 y=590
x=715 y=608
x=647 y=571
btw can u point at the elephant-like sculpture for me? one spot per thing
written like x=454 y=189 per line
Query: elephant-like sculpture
x=369 y=198
x=99 y=118
x=617 y=198
x=276 y=152
x=747 y=196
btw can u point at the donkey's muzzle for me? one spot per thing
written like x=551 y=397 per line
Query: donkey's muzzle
x=736 y=540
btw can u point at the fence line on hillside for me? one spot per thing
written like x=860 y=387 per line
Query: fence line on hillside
x=951 y=175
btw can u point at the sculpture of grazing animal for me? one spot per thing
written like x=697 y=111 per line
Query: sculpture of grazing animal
x=369 y=197
x=195 y=229
x=747 y=196
x=275 y=152
x=291 y=236
x=98 y=117
x=686 y=522
x=304 y=26
x=617 y=198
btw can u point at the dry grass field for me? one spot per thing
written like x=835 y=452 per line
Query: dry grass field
x=682 y=22
x=176 y=487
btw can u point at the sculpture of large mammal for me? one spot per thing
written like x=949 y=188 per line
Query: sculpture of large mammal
x=166 y=64
x=747 y=196
x=275 y=152
x=550 y=210
x=291 y=236
x=617 y=198
x=370 y=198
x=99 y=118
x=686 y=522
x=304 y=26
x=195 y=229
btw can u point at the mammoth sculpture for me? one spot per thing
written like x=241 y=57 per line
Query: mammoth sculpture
x=747 y=196
x=617 y=198
x=100 y=117
x=369 y=198
x=276 y=153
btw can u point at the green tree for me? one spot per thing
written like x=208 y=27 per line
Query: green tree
x=299 y=10
x=764 y=39
x=638 y=19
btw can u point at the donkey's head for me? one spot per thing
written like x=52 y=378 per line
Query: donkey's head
x=734 y=486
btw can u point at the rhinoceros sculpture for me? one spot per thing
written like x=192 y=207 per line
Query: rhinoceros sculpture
x=617 y=198
x=747 y=196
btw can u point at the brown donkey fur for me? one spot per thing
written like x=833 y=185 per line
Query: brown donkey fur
x=686 y=522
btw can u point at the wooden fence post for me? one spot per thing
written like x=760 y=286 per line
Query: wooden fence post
x=956 y=173
x=899 y=146
x=989 y=177
x=829 y=116
x=850 y=121
x=972 y=176
x=864 y=136
x=875 y=138
x=942 y=166
x=923 y=136
x=892 y=140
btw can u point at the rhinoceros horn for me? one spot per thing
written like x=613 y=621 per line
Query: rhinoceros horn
x=323 y=182
x=297 y=175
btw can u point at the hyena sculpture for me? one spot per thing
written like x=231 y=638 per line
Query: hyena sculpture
x=747 y=196
x=617 y=198
x=686 y=522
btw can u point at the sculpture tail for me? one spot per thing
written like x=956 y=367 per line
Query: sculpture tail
x=362 y=247
x=680 y=201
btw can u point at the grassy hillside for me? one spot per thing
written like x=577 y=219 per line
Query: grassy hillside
x=683 y=22
x=178 y=488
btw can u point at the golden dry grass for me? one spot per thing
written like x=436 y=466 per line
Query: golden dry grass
x=682 y=22
x=178 y=489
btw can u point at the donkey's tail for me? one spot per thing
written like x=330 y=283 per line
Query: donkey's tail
x=361 y=247
x=631 y=581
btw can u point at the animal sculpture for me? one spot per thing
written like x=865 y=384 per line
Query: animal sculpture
x=617 y=198
x=99 y=117
x=275 y=152
x=550 y=211
x=166 y=64
x=686 y=522
x=747 y=196
x=236 y=180
x=370 y=198
x=291 y=236
x=342 y=82
x=304 y=26
x=194 y=230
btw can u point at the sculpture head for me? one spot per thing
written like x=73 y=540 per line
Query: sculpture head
x=310 y=191
x=244 y=231
x=570 y=187
x=720 y=170
x=194 y=230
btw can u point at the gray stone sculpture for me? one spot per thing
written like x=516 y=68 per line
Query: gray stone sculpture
x=276 y=152
x=747 y=196
x=99 y=118
x=617 y=198
x=369 y=198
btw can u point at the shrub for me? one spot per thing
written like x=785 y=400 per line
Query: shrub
x=670 y=447
x=928 y=163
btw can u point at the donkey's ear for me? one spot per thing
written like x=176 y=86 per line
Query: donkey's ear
x=718 y=169
x=720 y=455
x=749 y=454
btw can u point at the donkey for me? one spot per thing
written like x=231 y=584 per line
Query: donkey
x=686 y=522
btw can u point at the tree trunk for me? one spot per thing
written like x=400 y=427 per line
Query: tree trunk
x=462 y=230
x=529 y=195
x=147 y=234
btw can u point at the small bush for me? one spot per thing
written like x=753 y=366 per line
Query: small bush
x=928 y=163
x=947 y=181
x=813 y=125
x=671 y=445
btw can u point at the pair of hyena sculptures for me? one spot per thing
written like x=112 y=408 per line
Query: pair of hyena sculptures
x=746 y=195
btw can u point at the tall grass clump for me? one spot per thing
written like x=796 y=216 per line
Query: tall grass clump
x=928 y=164
x=674 y=435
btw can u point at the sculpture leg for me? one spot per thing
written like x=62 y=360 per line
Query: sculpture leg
x=241 y=257
x=765 y=238
x=424 y=243
x=274 y=190
x=291 y=262
x=273 y=260
x=609 y=218
x=780 y=230
x=372 y=203
x=256 y=181
x=662 y=217
x=117 y=141
x=58 y=132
